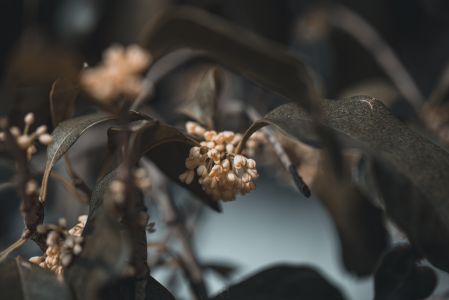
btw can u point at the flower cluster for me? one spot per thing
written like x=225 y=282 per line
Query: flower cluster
x=26 y=139
x=118 y=74
x=222 y=172
x=62 y=245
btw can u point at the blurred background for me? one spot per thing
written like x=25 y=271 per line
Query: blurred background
x=346 y=45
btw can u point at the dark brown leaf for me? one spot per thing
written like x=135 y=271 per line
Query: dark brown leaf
x=398 y=276
x=62 y=100
x=200 y=104
x=262 y=61
x=106 y=252
x=64 y=136
x=417 y=165
x=22 y=280
x=282 y=282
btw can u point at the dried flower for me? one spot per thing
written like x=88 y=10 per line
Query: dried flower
x=118 y=74
x=62 y=245
x=221 y=172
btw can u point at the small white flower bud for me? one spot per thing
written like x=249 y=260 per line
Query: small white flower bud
x=209 y=135
x=15 y=131
x=24 y=141
x=201 y=170
x=251 y=163
x=31 y=187
x=45 y=139
x=189 y=177
x=29 y=118
x=77 y=249
x=36 y=259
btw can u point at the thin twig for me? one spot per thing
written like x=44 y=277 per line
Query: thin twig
x=14 y=246
x=280 y=152
x=76 y=179
x=352 y=24
x=178 y=230
x=7 y=185
x=70 y=187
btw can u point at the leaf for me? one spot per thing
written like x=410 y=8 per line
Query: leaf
x=400 y=278
x=62 y=100
x=22 y=280
x=264 y=62
x=64 y=136
x=106 y=250
x=359 y=223
x=166 y=146
x=200 y=104
x=282 y=282
x=417 y=165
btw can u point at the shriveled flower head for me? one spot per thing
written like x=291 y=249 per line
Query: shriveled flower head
x=221 y=172
x=119 y=74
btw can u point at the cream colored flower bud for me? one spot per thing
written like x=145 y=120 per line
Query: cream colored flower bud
x=214 y=155
x=29 y=118
x=209 y=135
x=77 y=249
x=199 y=131
x=24 y=141
x=191 y=163
x=251 y=163
x=201 y=170
x=45 y=139
x=253 y=173
x=190 y=127
x=31 y=187
x=36 y=259
x=41 y=130
x=231 y=177
x=216 y=170
x=2 y=136
x=230 y=148
x=189 y=177
x=117 y=186
x=239 y=161
x=66 y=260
x=226 y=164
x=15 y=131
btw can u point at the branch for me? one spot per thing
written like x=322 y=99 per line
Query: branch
x=178 y=230
x=280 y=152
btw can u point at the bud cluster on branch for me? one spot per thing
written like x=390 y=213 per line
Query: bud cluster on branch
x=221 y=171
